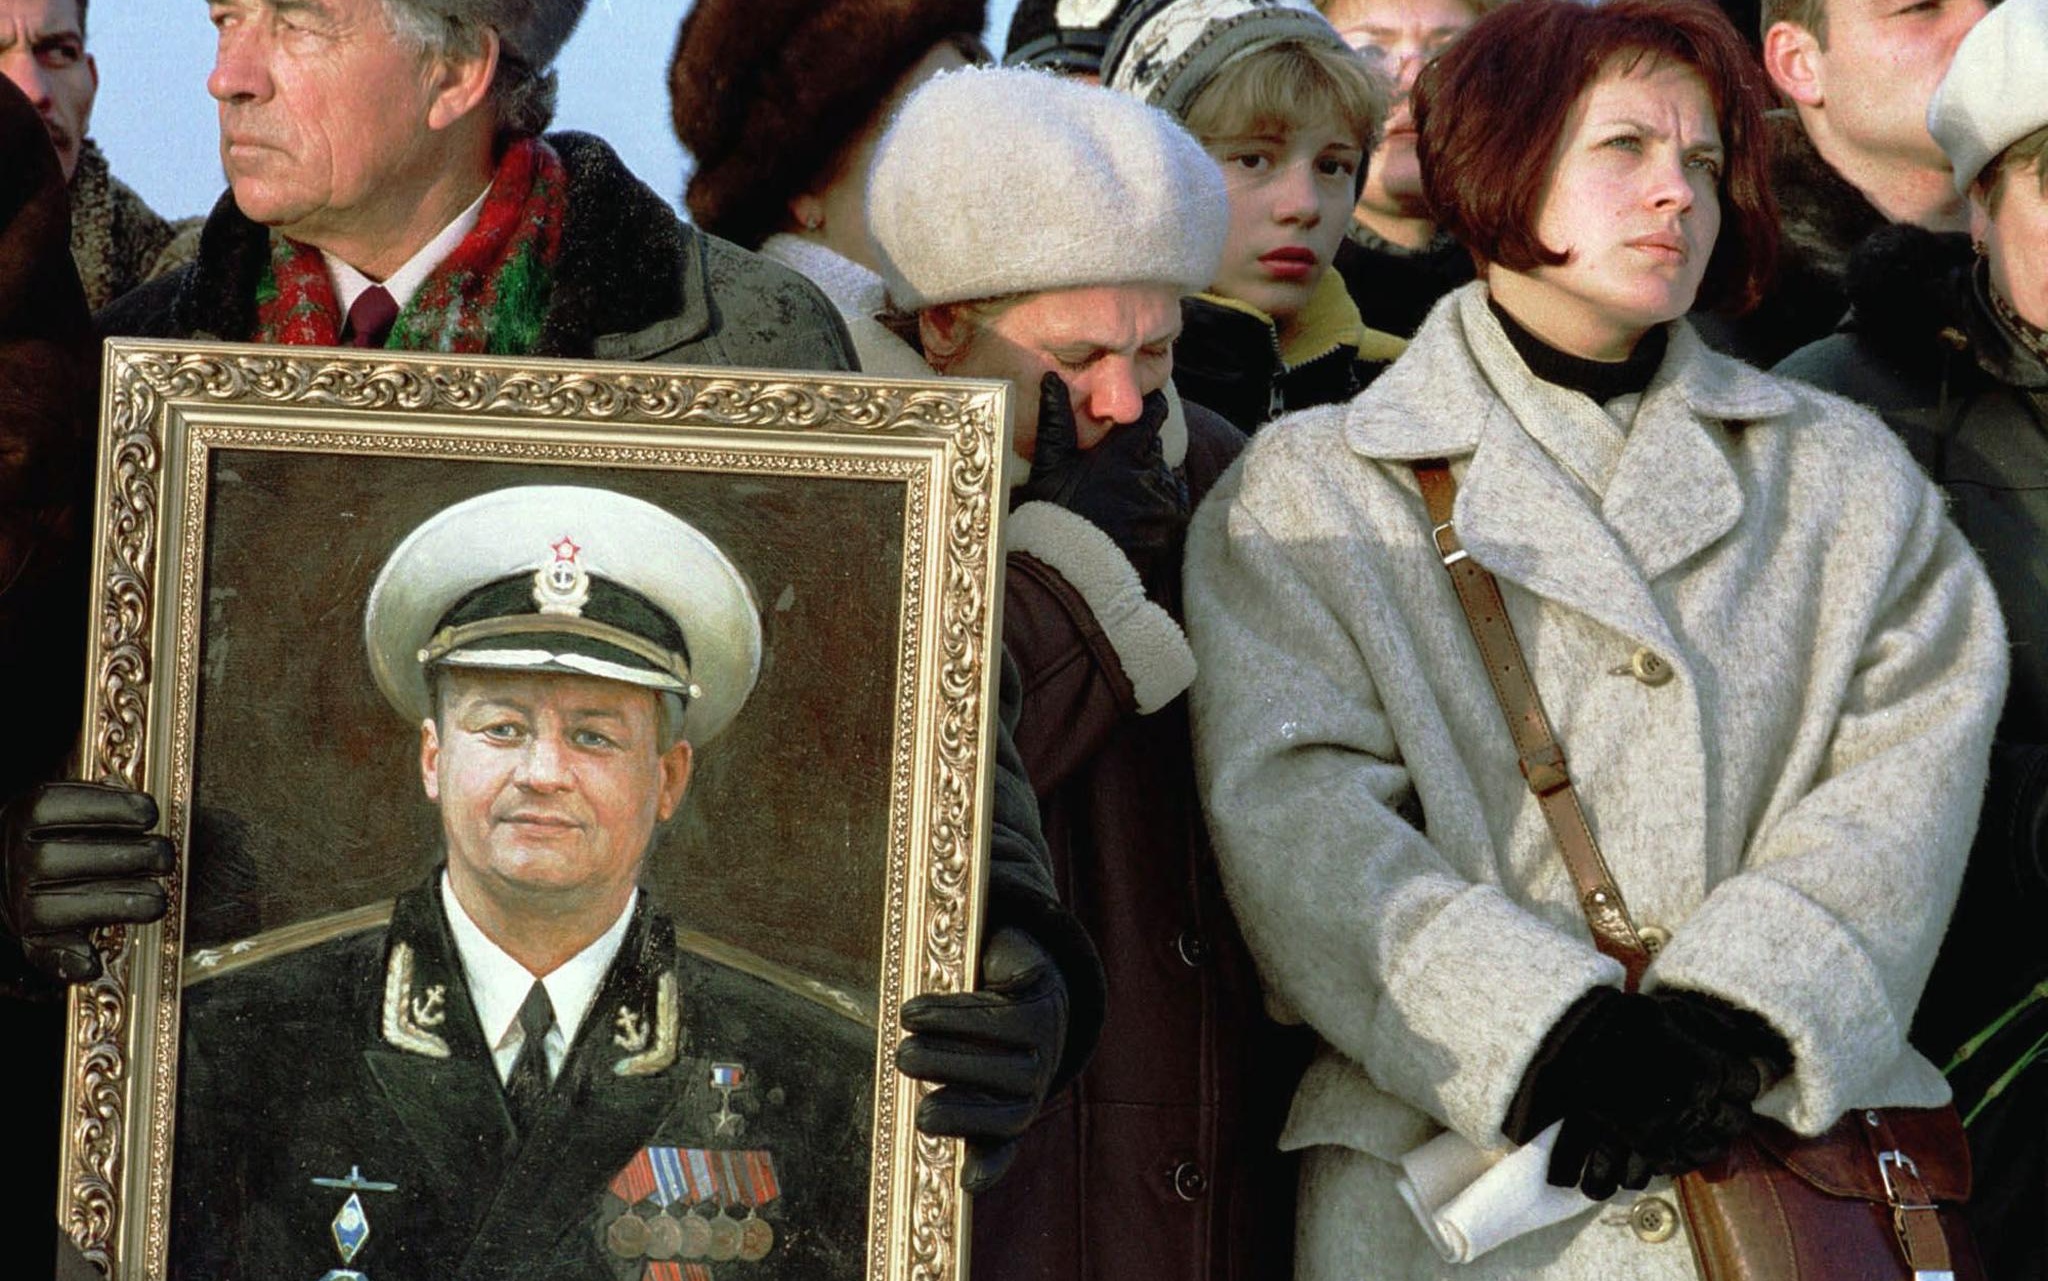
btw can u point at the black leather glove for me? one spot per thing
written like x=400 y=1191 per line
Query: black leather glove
x=991 y=1052
x=1645 y=1085
x=1122 y=486
x=77 y=856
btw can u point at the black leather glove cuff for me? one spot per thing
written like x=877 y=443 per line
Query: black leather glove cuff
x=1739 y=1035
x=1548 y=1085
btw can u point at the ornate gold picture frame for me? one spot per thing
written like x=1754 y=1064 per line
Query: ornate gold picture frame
x=829 y=852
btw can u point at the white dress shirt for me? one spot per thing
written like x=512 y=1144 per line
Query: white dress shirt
x=498 y=984
x=406 y=281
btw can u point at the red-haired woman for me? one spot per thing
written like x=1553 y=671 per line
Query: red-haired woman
x=1772 y=663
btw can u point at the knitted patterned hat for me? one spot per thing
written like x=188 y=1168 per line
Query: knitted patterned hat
x=1996 y=89
x=1062 y=35
x=1164 y=51
x=765 y=94
x=996 y=181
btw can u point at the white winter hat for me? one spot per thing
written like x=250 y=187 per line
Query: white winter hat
x=1007 y=180
x=1996 y=89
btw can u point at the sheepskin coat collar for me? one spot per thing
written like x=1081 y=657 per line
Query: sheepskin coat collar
x=1792 y=801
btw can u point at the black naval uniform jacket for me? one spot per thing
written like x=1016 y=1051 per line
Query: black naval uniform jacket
x=292 y=1072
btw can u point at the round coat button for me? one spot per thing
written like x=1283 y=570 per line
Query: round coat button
x=1647 y=666
x=1189 y=1183
x=1653 y=1219
x=1193 y=948
x=1654 y=938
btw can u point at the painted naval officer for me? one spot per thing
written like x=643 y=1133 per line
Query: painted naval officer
x=523 y=1074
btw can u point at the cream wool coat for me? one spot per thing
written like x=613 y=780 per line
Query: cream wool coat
x=1793 y=804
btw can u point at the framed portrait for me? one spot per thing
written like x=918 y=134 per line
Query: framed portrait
x=672 y=686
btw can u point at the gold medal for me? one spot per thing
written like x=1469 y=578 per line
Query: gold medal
x=756 y=1238
x=664 y=1237
x=696 y=1236
x=725 y=1239
x=627 y=1236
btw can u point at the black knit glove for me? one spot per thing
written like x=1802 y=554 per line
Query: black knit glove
x=76 y=856
x=1645 y=1085
x=992 y=1053
x=1122 y=486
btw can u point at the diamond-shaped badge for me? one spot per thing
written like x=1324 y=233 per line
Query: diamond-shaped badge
x=351 y=1228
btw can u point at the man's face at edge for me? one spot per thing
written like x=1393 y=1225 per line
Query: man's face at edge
x=42 y=50
x=1871 y=70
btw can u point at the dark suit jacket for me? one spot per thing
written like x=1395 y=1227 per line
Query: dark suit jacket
x=291 y=1073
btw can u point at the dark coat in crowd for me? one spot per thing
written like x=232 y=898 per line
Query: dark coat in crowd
x=1925 y=348
x=1161 y=1160
x=46 y=451
x=117 y=240
x=1229 y=357
x=1823 y=218
x=1395 y=287
x=633 y=282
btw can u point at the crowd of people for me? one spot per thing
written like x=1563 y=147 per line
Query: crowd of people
x=1706 y=350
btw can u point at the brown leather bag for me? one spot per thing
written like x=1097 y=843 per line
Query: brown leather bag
x=1879 y=1194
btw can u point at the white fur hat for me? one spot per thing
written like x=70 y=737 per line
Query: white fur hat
x=1007 y=180
x=1996 y=90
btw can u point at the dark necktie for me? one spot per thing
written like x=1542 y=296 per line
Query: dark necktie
x=527 y=1086
x=370 y=317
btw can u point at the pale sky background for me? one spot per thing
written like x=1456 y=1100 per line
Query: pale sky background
x=156 y=124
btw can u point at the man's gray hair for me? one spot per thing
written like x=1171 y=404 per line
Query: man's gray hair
x=530 y=33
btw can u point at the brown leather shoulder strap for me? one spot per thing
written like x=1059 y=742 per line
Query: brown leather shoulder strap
x=1542 y=760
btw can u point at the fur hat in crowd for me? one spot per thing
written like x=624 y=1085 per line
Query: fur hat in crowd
x=996 y=181
x=1165 y=51
x=1996 y=89
x=1062 y=35
x=765 y=93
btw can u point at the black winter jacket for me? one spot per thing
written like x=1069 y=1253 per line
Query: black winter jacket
x=1228 y=360
x=1924 y=348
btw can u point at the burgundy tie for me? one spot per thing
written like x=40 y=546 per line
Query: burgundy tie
x=370 y=317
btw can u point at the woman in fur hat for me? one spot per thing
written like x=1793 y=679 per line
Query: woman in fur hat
x=1951 y=347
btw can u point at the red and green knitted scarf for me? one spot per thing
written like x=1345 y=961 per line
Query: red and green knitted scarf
x=489 y=295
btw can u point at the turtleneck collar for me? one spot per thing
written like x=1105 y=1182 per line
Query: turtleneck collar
x=1602 y=380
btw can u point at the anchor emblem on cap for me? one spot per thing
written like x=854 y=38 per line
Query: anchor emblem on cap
x=562 y=585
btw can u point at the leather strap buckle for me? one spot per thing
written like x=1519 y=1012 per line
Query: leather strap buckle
x=1544 y=767
x=1443 y=534
x=1915 y=1219
x=1897 y=1160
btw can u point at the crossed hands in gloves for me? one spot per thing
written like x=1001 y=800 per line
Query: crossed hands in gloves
x=1122 y=486
x=992 y=1052
x=1646 y=1084
x=75 y=856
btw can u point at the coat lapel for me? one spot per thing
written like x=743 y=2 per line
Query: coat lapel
x=1525 y=518
x=453 y=1108
x=1591 y=532
x=1675 y=492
